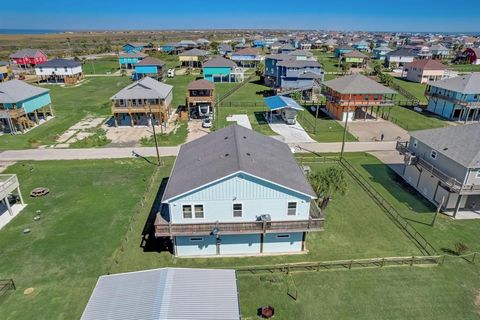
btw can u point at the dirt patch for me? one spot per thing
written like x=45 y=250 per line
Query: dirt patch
x=477 y=301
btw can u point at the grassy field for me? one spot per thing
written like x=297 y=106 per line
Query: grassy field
x=327 y=59
x=180 y=84
x=70 y=104
x=411 y=120
x=101 y=66
x=174 y=138
x=171 y=60
x=416 y=89
x=465 y=67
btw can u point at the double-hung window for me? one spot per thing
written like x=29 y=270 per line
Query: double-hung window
x=187 y=212
x=237 y=210
x=292 y=209
x=198 y=211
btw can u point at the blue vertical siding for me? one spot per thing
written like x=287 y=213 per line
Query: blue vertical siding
x=276 y=243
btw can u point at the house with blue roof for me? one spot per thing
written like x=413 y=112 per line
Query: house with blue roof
x=237 y=192
x=22 y=106
x=284 y=107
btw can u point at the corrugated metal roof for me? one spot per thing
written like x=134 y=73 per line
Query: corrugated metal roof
x=232 y=150
x=165 y=294
x=281 y=102
x=467 y=84
x=15 y=90
x=146 y=88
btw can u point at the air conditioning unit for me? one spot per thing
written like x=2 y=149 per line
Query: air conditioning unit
x=410 y=159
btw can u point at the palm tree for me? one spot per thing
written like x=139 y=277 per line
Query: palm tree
x=328 y=182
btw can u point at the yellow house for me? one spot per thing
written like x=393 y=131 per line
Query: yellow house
x=193 y=58
x=4 y=71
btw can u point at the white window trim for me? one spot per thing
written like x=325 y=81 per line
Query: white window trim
x=432 y=153
x=191 y=210
x=296 y=208
x=477 y=175
x=234 y=203
x=192 y=207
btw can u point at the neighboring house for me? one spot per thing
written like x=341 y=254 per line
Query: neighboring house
x=399 y=57
x=456 y=99
x=200 y=98
x=165 y=294
x=342 y=50
x=193 y=58
x=357 y=97
x=129 y=60
x=23 y=105
x=203 y=43
x=28 y=57
x=171 y=48
x=444 y=166
x=305 y=45
x=422 y=52
x=237 y=192
x=141 y=102
x=224 y=49
x=188 y=44
x=439 y=51
x=472 y=55
x=362 y=46
x=425 y=70
x=275 y=47
x=219 y=69
x=135 y=47
x=286 y=48
x=259 y=43
x=380 y=53
x=247 y=58
x=355 y=58
x=10 y=187
x=5 y=71
x=149 y=67
x=60 y=71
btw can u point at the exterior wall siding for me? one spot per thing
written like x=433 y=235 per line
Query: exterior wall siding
x=279 y=243
x=42 y=71
x=146 y=69
x=37 y=102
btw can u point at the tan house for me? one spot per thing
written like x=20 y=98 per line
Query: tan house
x=425 y=70
x=193 y=58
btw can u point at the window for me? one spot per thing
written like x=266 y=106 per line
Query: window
x=66 y=69
x=375 y=97
x=187 y=212
x=237 y=210
x=279 y=236
x=292 y=209
x=433 y=154
x=198 y=211
x=196 y=239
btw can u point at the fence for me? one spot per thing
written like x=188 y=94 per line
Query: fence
x=6 y=285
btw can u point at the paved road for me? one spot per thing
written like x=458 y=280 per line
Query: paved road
x=112 y=153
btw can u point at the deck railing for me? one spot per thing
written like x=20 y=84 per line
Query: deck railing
x=8 y=182
x=471 y=104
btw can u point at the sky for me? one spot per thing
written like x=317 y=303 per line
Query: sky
x=367 y=15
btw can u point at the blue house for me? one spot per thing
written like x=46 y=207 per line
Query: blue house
x=259 y=43
x=171 y=47
x=341 y=50
x=456 y=99
x=224 y=49
x=22 y=106
x=135 y=47
x=149 y=67
x=361 y=46
x=380 y=53
x=237 y=192
x=219 y=69
x=129 y=60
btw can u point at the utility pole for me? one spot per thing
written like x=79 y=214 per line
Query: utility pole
x=345 y=128
x=155 y=135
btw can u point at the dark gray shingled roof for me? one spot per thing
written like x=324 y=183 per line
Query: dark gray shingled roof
x=357 y=84
x=230 y=150
x=149 y=61
x=165 y=294
x=460 y=143
x=467 y=84
x=194 y=52
x=60 y=63
x=219 y=62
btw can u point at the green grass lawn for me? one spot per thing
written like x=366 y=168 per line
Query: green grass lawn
x=411 y=120
x=252 y=92
x=83 y=221
x=101 y=66
x=171 y=60
x=70 y=104
x=174 y=138
x=180 y=84
x=465 y=67
x=327 y=59
x=416 y=89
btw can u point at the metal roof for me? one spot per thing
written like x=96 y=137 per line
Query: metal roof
x=357 y=84
x=194 y=52
x=281 y=102
x=30 y=53
x=149 y=61
x=60 y=63
x=15 y=90
x=233 y=150
x=460 y=143
x=293 y=63
x=467 y=84
x=146 y=88
x=165 y=294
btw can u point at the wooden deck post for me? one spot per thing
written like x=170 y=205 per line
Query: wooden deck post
x=36 y=117
x=20 y=196
x=10 y=211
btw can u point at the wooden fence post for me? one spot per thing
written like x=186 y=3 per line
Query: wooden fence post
x=474 y=255
x=411 y=262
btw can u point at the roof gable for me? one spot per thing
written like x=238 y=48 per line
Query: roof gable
x=15 y=91
x=467 y=84
x=357 y=84
x=146 y=88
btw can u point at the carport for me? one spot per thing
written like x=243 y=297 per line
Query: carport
x=285 y=107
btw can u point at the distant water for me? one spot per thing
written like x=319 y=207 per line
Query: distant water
x=29 y=31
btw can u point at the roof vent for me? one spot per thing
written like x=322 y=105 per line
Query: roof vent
x=226 y=138
x=244 y=137
x=445 y=149
x=248 y=154
x=227 y=154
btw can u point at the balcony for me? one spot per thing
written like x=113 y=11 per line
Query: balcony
x=8 y=183
x=12 y=113
x=165 y=229
x=360 y=103
x=139 y=108
x=470 y=104
x=201 y=99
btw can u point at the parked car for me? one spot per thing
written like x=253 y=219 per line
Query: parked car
x=171 y=73
x=207 y=123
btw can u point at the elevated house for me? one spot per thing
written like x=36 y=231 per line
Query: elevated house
x=286 y=48
x=219 y=69
x=149 y=67
x=22 y=106
x=136 y=47
x=129 y=60
x=62 y=71
x=193 y=58
x=444 y=166
x=456 y=99
x=203 y=44
x=425 y=70
x=224 y=49
x=439 y=51
x=10 y=190
x=165 y=294
x=339 y=50
x=237 y=192
x=26 y=58
x=399 y=57
x=259 y=43
x=362 y=46
x=355 y=58
x=171 y=48
x=357 y=97
x=5 y=72
x=188 y=44
x=142 y=102
x=247 y=58
x=275 y=47
x=472 y=55
x=379 y=53
x=200 y=98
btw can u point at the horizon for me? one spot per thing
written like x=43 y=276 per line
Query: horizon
x=374 y=16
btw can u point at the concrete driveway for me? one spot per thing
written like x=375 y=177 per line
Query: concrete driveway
x=293 y=133
x=371 y=130
x=241 y=119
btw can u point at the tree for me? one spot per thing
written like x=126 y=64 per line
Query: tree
x=328 y=182
x=260 y=69
x=377 y=69
x=346 y=67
